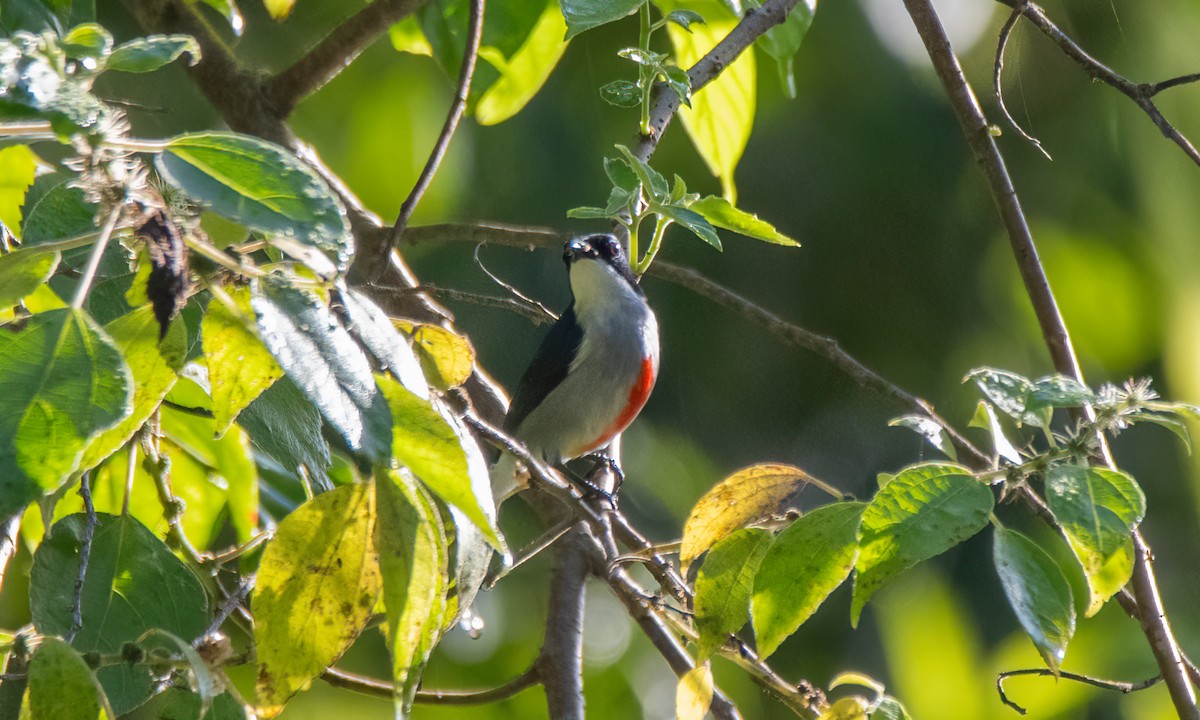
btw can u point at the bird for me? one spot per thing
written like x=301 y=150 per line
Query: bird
x=594 y=370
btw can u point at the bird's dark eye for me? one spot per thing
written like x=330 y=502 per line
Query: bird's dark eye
x=613 y=247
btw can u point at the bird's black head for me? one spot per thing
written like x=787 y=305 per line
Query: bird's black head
x=603 y=248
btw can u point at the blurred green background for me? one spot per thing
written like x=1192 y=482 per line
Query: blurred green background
x=903 y=262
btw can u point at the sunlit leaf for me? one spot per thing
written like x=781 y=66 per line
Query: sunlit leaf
x=17 y=167
x=1029 y=402
x=61 y=382
x=924 y=511
x=428 y=445
x=447 y=359
x=583 y=15
x=155 y=365
x=61 y=685
x=722 y=112
x=807 y=562
x=321 y=357
x=317 y=584
x=747 y=496
x=927 y=428
x=413 y=551
x=694 y=222
x=408 y=37
x=986 y=419
x=694 y=693
x=240 y=368
x=1038 y=592
x=783 y=41
x=152 y=52
x=847 y=708
x=87 y=40
x=134 y=583
x=279 y=9
x=263 y=187
x=55 y=210
x=721 y=214
x=375 y=330
x=890 y=709
x=523 y=73
x=22 y=271
x=1097 y=509
x=723 y=587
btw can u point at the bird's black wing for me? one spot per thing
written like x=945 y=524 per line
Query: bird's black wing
x=548 y=368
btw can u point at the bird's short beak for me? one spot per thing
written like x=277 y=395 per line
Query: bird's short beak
x=574 y=249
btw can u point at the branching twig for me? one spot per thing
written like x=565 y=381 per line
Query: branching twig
x=1141 y=94
x=457 y=108
x=1124 y=687
x=998 y=88
x=535 y=315
x=378 y=688
x=85 y=555
x=337 y=50
x=231 y=603
x=974 y=125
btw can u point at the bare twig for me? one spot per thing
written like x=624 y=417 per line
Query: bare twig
x=379 y=688
x=512 y=290
x=1124 y=687
x=1054 y=330
x=93 y=263
x=535 y=315
x=230 y=604
x=1141 y=94
x=997 y=86
x=457 y=108
x=85 y=555
x=9 y=529
x=337 y=50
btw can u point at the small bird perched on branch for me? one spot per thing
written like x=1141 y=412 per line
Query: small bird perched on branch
x=595 y=368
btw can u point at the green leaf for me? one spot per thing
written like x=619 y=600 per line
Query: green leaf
x=88 y=40
x=152 y=52
x=22 y=271
x=693 y=221
x=37 y=85
x=61 y=382
x=408 y=37
x=285 y=426
x=317 y=585
x=240 y=367
x=924 y=511
x=1174 y=424
x=524 y=72
x=1038 y=592
x=621 y=174
x=447 y=358
x=429 y=446
x=155 y=365
x=228 y=9
x=928 y=429
x=653 y=183
x=179 y=704
x=1097 y=509
x=723 y=587
x=720 y=213
x=227 y=457
x=722 y=112
x=1029 y=402
x=890 y=709
x=621 y=93
x=1058 y=391
x=55 y=210
x=61 y=685
x=986 y=419
x=413 y=553
x=375 y=331
x=588 y=213
x=134 y=583
x=743 y=498
x=684 y=18
x=783 y=41
x=583 y=15
x=17 y=167
x=263 y=187
x=319 y=355
x=806 y=563
x=678 y=80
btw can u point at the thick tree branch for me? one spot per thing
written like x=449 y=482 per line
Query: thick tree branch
x=1141 y=94
x=560 y=662
x=332 y=54
x=754 y=24
x=1054 y=330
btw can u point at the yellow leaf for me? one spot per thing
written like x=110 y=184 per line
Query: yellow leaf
x=694 y=693
x=17 y=167
x=746 y=496
x=240 y=367
x=446 y=358
x=722 y=112
x=848 y=708
x=279 y=9
x=523 y=74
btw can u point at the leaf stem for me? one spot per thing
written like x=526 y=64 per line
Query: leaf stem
x=646 y=74
x=69 y=243
x=89 y=272
x=660 y=228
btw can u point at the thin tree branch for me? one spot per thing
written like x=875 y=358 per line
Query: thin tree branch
x=753 y=25
x=1054 y=331
x=332 y=54
x=998 y=87
x=10 y=528
x=382 y=689
x=1124 y=687
x=1141 y=94
x=457 y=108
x=85 y=555
x=536 y=315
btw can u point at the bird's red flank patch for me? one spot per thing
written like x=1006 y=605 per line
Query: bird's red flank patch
x=638 y=395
